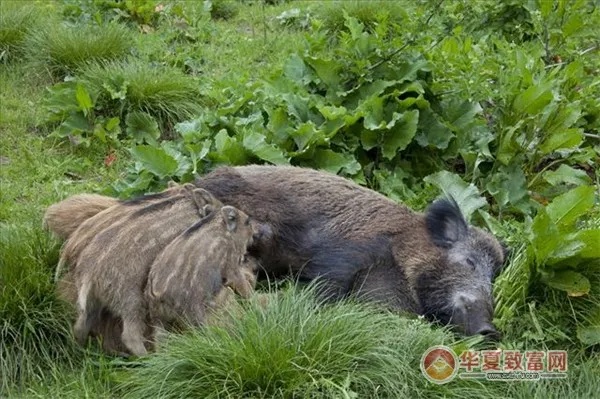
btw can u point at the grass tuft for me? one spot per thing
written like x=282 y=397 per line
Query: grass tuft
x=63 y=49
x=16 y=19
x=34 y=334
x=161 y=91
x=293 y=347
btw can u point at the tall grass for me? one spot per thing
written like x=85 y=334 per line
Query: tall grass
x=161 y=91
x=62 y=49
x=293 y=347
x=34 y=333
x=16 y=19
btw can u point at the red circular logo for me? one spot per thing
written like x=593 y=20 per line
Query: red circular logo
x=439 y=364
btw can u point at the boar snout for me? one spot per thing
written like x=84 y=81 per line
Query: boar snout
x=473 y=314
x=261 y=232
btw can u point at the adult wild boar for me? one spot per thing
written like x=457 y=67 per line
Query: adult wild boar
x=187 y=277
x=360 y=242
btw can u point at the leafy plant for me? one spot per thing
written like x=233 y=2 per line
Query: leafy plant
x=562 y=255
x=136 y=12
x=106 y=100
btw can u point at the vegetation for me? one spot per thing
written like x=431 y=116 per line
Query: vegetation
x=494 y=103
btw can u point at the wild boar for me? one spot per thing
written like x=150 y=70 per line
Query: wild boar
x=362 y=243
x=88 y=228
x=64 y=218
x=190 y=272
x=112 y=269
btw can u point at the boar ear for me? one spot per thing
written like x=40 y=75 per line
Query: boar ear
x=188 y=186
x=207 y=210
x=230 y=215
x=445 y=223
x=202 y=197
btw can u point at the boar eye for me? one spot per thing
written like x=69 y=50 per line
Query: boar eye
x=471 y=263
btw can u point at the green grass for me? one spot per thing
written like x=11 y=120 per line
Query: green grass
x=161 y=91
x=15 y=21
x=293 y=348
x=34 y=333
x=62 y=49
x=368 y=12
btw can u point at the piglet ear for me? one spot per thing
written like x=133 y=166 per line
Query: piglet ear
x=230 y=216
x=445 y=223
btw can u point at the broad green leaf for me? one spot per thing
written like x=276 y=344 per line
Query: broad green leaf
x=573 y=25
x=589 y=335
x=297 y=106
x=255 y=143
x=461 y=115
x=565 y=209
x=534 y=99
x=84 y=101
x=432 y=132
x=304 y=135
x=567 y=138
x=465 y=194
x=568 y=248
x=184 y=165
x=229 y=149
x=295 y=69
x=373 y=109
x=407 y=71
x=508 y=146
x=75 y=124
x=142 y=127
x=546 y=8
x=112 y=123
x=327 y=70
x=279 y=124
x=369 y=139
x=392 y=184
x=332 y=112
x=190 y=130
x=575 y=284
x=155 y=160
x=567 y=174
x=562 y=118
x=402 y=130
x=544 y=236
x=508 y=185
x=334 y=161
x=591 y=241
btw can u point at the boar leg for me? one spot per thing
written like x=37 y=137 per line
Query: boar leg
x=134 y=326
x=87 y=314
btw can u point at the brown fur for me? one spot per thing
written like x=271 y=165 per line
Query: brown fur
x=358 y=241
x=111 y=269
x=64 y=218
x=92 y=226
x=194 y=268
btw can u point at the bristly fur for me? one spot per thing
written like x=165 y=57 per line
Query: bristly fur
x=358 y=241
